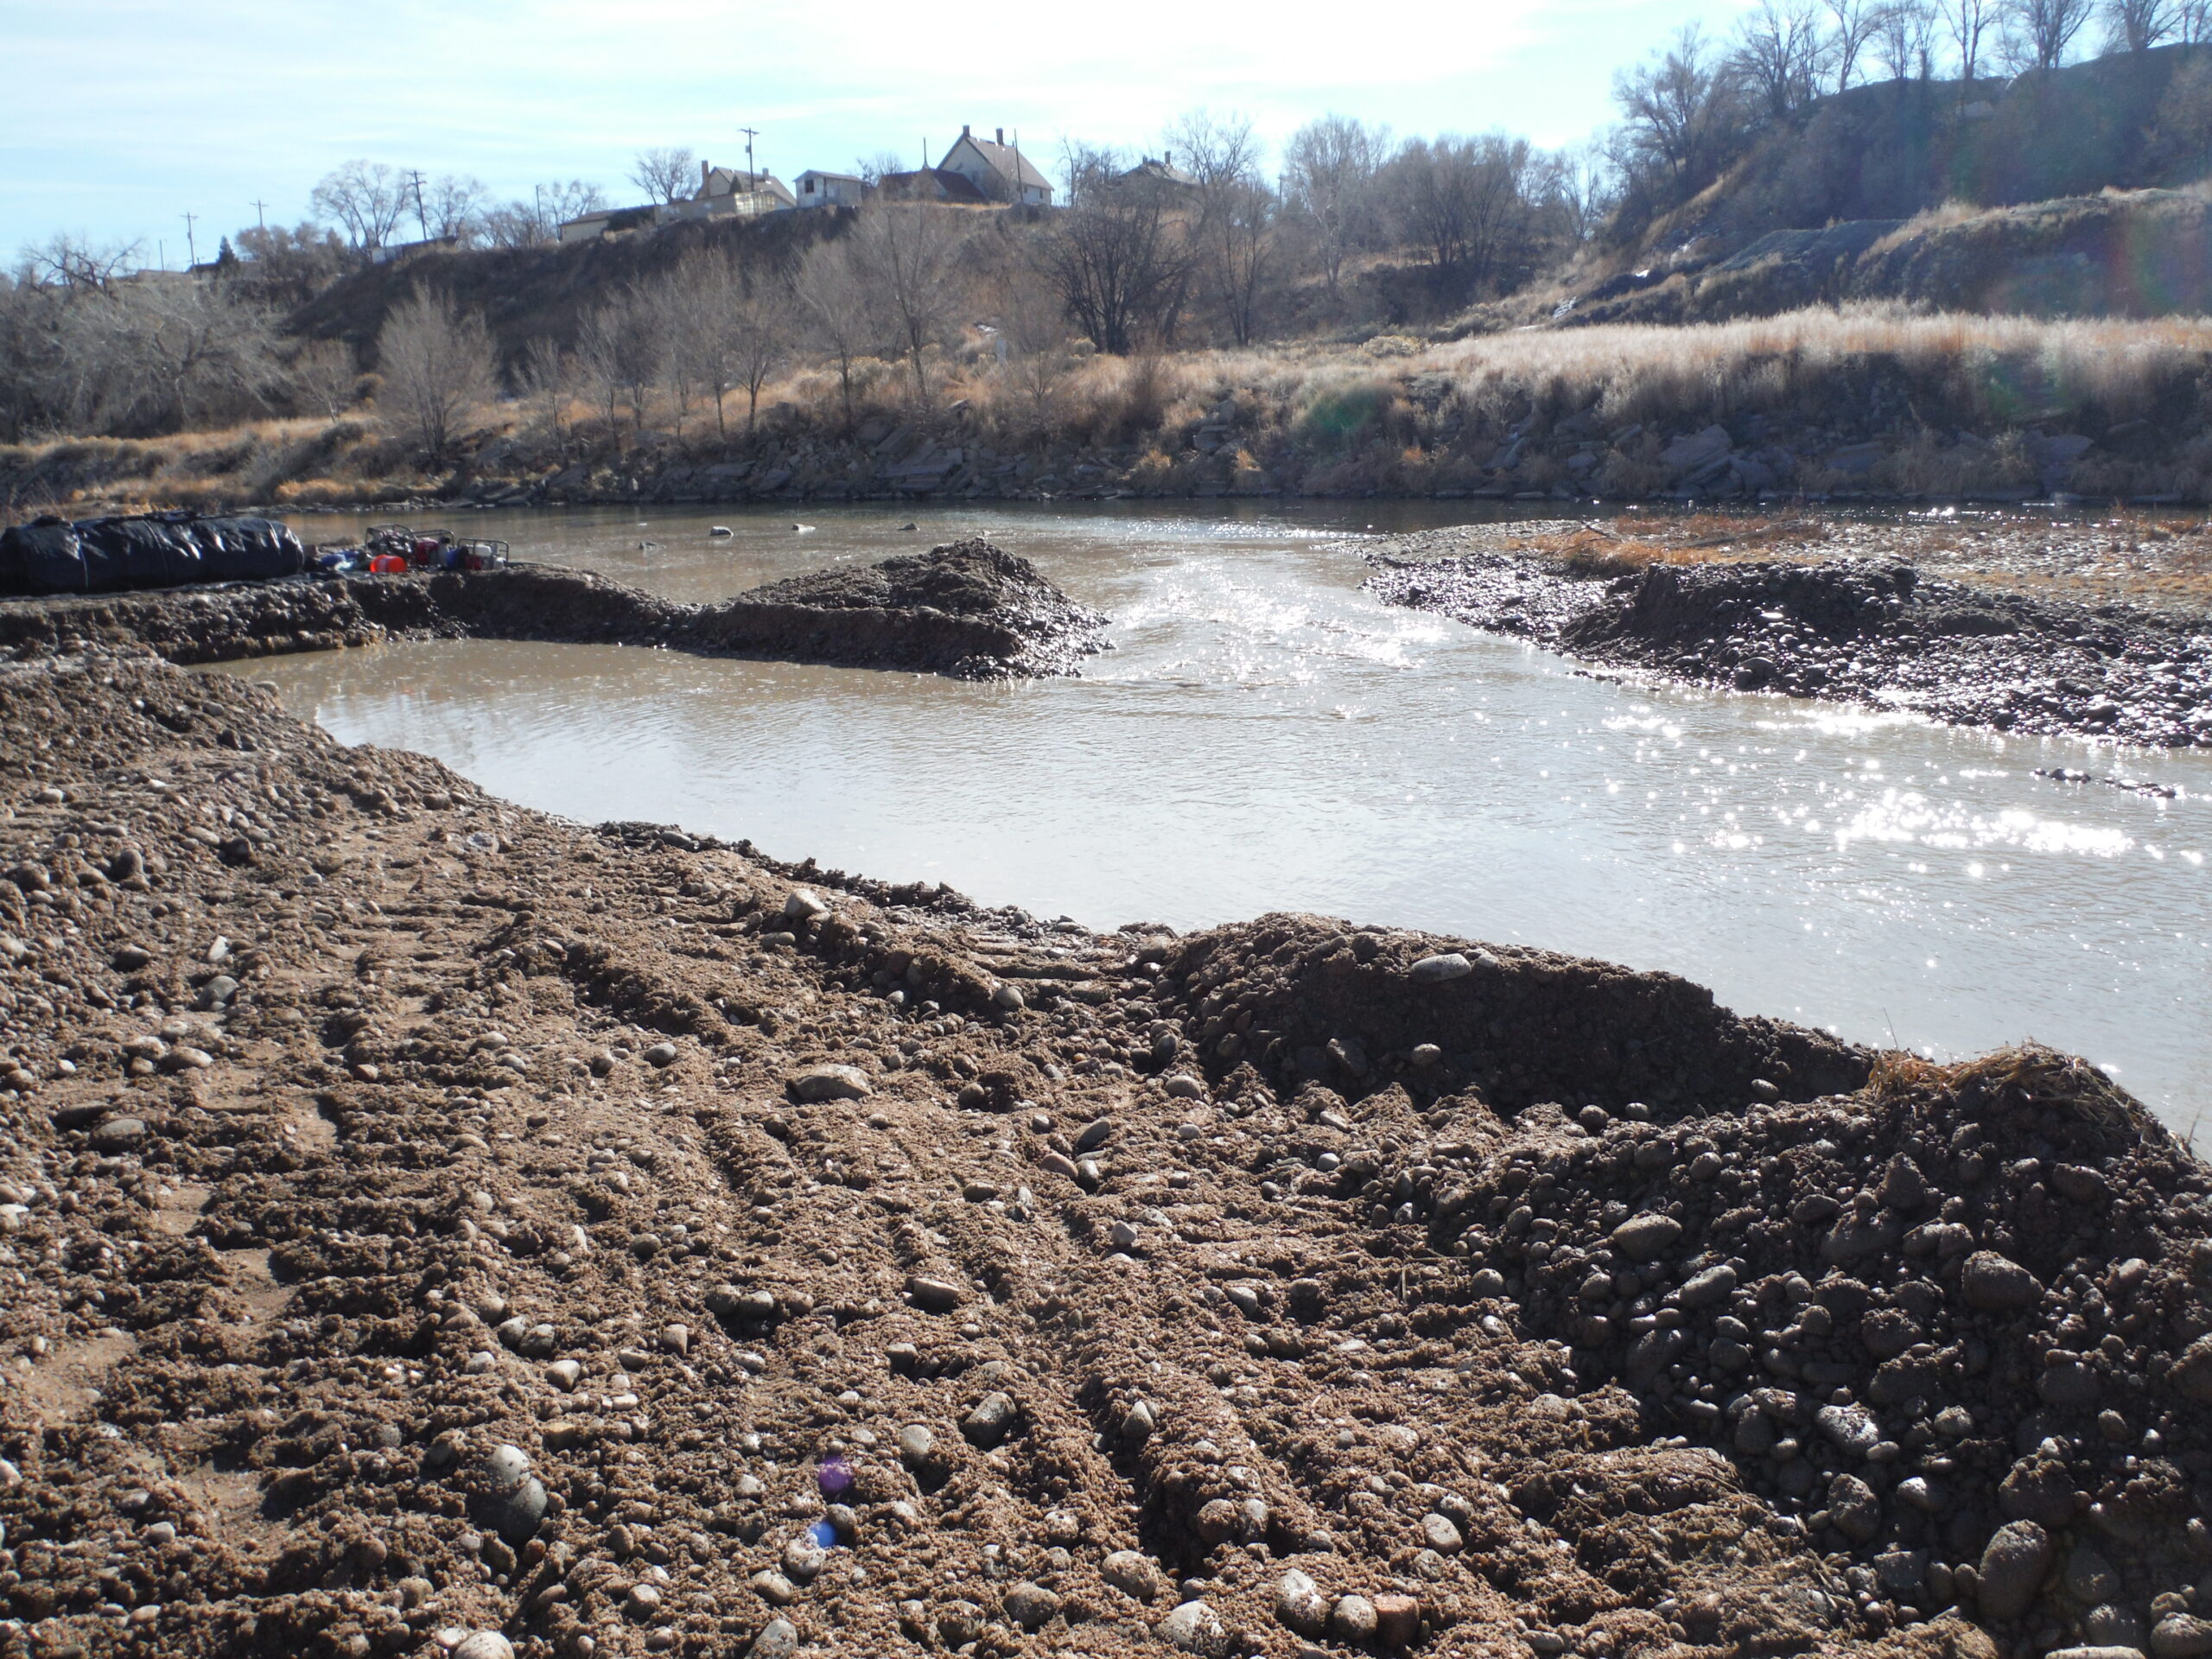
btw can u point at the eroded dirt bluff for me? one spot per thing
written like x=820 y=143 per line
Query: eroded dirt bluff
x=967 y=610
x=1858 y=629
x=427 y=1225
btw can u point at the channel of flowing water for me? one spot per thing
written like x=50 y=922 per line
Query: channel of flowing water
x=1266 y=737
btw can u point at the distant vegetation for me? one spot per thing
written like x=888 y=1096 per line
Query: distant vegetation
x=1946 y=158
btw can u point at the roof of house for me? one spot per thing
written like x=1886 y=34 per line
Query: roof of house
x=1152 y=170
x=736 y=181
x=942 y=181
x=1004 y=159
x=837 y=178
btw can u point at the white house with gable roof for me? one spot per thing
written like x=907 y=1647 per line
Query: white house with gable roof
x=998 y=170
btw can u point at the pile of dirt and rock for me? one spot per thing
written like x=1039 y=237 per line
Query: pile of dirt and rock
x=967 y=610
x=1854 y=629
x=430 y=1227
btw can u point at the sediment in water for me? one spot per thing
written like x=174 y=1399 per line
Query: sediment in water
x=967 y=610
x=1345 y=1286
x=1856 y=629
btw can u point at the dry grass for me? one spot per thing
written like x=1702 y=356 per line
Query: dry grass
x=2007 y=370
x=1410 y=418
x=2028 y=1077
x=1627 y=546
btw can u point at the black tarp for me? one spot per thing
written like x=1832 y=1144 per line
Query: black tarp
x=96 y=556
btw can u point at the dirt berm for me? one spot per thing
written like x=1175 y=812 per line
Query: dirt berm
x=428 y=1226
x=967 y=610
x=1852 y=629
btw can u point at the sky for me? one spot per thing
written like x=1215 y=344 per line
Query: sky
x=125 y=115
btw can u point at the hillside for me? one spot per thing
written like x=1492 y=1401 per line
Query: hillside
x=2052 y=194
x=1897 y=149
x=523 y=292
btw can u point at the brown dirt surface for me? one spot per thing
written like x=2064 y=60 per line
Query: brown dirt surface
x=966 y=610
x=421 y=1216
x=1836 y=610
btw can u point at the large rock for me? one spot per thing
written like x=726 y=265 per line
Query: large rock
x=2013 y=1566
x=2192 y=1372
x=1196 y=1628
x=1300 y=1605
x=1996 y=1284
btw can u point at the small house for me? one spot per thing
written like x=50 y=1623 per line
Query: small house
x=999 y=171
x=815 y=188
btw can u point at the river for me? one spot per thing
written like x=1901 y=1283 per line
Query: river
x=1266 y=737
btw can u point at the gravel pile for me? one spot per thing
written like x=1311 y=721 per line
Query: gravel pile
x=1852 y=629
x=967 y=610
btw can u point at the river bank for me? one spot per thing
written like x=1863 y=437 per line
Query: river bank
x=848 y=1267
x=966 y=609
x=1821 y=405
x=1795 y=609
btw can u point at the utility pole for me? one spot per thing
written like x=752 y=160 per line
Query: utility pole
x=422 y=219
x=540 y=190
x=191 y=248
x=261 y=218
x=751 y=133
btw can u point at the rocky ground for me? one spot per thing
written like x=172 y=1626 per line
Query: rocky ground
x=967 y=610
x=2045 y=650
x=428 y=1226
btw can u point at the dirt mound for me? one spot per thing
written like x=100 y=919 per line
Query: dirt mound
x=430 y=1226
x=1852 y=629
x=968 y=611
x=1309 y=1000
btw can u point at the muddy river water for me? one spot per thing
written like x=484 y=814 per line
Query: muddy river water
x=1266 y=737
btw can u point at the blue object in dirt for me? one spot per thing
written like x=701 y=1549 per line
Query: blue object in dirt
x=824 y=1533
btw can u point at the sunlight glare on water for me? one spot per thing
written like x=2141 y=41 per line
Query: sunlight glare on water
x=1266 y=737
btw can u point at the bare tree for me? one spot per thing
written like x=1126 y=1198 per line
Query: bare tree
x=838 y=305
x=1683 y=119
x=547 y=373
x=365 y=197
x=2139 y=25
x=2193 y=21
x=1462 y=201
x=75 y=264
x=1857 y=22
x=436 y=363
x=1580 y=185
x=753 y=341
x=2043 y=30
x=1033 y=325
x=1904 y=39
x=538 y=221
x=1969 y=23
x=665 y=175
x=1121 y=254
x=1778 y=55
x=602 y=360
x=1328 y=177
x=909 y=255
x=452 y=206
x=1235 y=217
x=873 y=170
x=324 y=377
